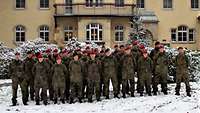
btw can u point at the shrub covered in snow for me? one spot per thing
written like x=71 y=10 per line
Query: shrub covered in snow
x=7 y=54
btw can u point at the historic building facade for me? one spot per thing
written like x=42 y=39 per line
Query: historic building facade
x=172 y=22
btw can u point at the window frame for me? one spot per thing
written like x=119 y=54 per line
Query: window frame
x=140 y=4
x=167 y=4
x=44 y=31
x=43 y=4
x=182 y=31
x=21 y=30
x=119 y=3
x=96 y=28
x=119 y=29
x=68 y=29
x=193 y=3
x=94 y=3
x=20 y=8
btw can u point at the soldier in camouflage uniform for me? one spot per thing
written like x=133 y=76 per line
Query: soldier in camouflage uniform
x=110 y=73
x=102 y=86
x=50 y=85
x=128 y=72
x=59 y=73
x=145 y=68
x=182 y=63
x=76 y=78
x=66 y=58
x=93 y=67
x=84 y=59
x=41 y=79
x=161 y=71
x=16 y=72
x=28 y=65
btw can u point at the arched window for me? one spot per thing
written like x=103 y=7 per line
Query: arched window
x=119 y=33
x=20 y=33
x=94 y=32
x=68 y=33
x=182 y=33
x=44 y=32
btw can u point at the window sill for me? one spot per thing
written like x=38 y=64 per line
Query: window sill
x=44 y=8
x=20 y=8
x=187 y=42
x=167 y=9
x=195 y=9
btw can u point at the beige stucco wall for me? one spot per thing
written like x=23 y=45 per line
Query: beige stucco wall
x=31 y=17
x=180 y=14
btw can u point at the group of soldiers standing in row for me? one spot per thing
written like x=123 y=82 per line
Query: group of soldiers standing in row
x=66 y=75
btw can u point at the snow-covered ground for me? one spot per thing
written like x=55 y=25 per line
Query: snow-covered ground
x=155 y=104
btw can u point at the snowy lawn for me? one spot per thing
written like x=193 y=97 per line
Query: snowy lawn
x=155 y=104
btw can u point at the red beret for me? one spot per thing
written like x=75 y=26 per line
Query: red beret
x=161 y=46
x=39 y=56
x=48 y=51
x=127 y=48
x=142 y=46
x=55 y=50
x=135 y=42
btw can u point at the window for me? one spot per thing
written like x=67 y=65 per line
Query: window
x=173 y=35
x=182 y=34
x=119 y=33
x=44 y=33
x=44 y=4
x=68 y=33
x=20 y=33
x=191 y=35
x=20 y=4
x=140 y=4
x=94 y=32
x=97 y=3
x=167 y=4
x=194 y=4
x=119 y=3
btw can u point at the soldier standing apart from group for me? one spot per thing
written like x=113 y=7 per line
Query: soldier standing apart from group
x=128 y=72
x=16 y=73
x=28 y=65
x=76 y=78
x=59 y=73
x=93 y=80
x=182 y=63
x=110 y=73
x=161 y=71
x=40 y=71
x=145 y=67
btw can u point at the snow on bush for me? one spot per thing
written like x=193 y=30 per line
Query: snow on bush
x=7 y=54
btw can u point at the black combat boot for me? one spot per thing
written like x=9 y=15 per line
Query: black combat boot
x=71 y=101
x=155 y=93
x=188 y=94
x=124 y=95
x=55 y=101
x=14 y=102
x=177 y=93
x=37 y=102
x=107 y=97
x=132 y=95
x=63 y=101
x=141 y=94
x=90 y=100
x=165 y=92
x=116 y=96
x=45 y=102
x=80 y=100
